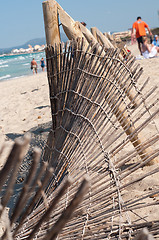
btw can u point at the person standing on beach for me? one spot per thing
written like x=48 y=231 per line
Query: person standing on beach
x=42 y=64
x=34 y=66
x=140 y=27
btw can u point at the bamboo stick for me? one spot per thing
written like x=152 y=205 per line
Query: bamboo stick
x=144 y=235
x=20 y=204
x=94 y=32
x=37 y=195
x=21 y=148
x=13 y=156
x=65 y=216
x=50 y=209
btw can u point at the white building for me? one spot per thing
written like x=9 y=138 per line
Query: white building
x=15 y=51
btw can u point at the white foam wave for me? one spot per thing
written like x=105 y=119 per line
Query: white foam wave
x=2 y=62
x=3 y=66
x=26 y=64
x=4 y=77
x=21 y=58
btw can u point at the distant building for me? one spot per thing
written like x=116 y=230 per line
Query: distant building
x=22 y=50
x=37 y=47
x=30 y=49
x=15 y=51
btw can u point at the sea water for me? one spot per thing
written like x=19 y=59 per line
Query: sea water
x=14 y=66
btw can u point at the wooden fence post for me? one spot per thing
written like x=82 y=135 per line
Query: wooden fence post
x=70 y=27
x=94 y=32
x=52 y=34
x=51 y=22
x=103 y=39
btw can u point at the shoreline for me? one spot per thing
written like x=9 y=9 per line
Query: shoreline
x=23 y=76
x=15 y=66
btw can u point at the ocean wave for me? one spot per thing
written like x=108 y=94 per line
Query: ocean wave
x=17 y=65
x=3 y=66
x=21 y=58
x=3 y=61
x=18 y=58
x=4 y=77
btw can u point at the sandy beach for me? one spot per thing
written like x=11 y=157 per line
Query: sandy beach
x=25 y=104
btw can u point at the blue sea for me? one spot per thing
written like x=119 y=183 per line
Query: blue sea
x=15 y=66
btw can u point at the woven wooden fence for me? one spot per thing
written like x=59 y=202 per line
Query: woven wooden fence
x=100 y=139
x=90 y=138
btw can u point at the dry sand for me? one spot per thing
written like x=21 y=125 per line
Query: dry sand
x=150 y=66
x=24 y=104
x=151 y=70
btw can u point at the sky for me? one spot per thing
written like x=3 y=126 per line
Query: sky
x=22 y=20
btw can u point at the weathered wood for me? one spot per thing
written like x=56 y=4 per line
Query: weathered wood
x=18 y=147
x=105 y=41
x=17 y=154
x=101 y=38
x=41 y=186
x=72 y=30
x=111 y=39
x=98 y=199
x=109 y=36
x=70 y=27
x=20 y=204
x=67 y=213
x=52 y=32
x=46 y=216
x=134 y=137
x=94 y=32
x=51 y=23
x=88 y=35
x=144 y=235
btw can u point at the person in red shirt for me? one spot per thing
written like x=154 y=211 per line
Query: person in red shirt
x=140 y=27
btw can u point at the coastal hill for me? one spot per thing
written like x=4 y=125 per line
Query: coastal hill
x=32 y=42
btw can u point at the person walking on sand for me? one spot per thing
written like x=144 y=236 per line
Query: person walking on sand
x=42 y=64
x=140 y=27
x=34 y=66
